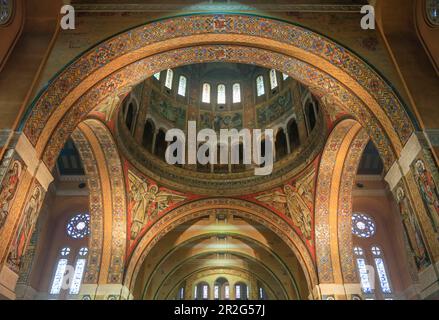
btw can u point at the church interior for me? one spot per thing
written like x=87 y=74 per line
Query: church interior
x=90 y=208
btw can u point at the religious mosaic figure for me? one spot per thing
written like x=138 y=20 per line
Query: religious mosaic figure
x=25 y=229
x=412 y=230
x=429 y=193
x=296 y=205
x=7 y=190
x=146 y=202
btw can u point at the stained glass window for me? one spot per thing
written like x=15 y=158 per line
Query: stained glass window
x=260 y=89
x=205 y=291
x=216 y=292
x=381 y=269
x=221 y=94
x=5 y=11
x=60 y=271
x=432 y=7
x=366 y=284
x=78 y=226
x=157 y=75
x=226 y=292
x=169 y=78
x=363 y=226
x=273 y=79
x=206 y=93
x=77 y=276
x=236 y=93
x=238 y=291
x=182 y=86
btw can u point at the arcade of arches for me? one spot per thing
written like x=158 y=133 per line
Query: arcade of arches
x=349 y=211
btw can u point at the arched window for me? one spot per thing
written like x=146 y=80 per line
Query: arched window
x=78 y=226
x=273 y=79
x=432 y=7
x=293 y=135
x=201 y=291
x=60 y=271
x=363 y=271
x=79 y=271
x=363 y=226
x=260 y=88
x=221 y=94
x=311 y=116
x=5 y=11
x=241 y=291
x=148 y=135
x=262 y=294
x=157 y=75
x=181 y=293
x=206 y=93
x=381 y=270
x=281 y=144
x=236 y=93
x=160 y=144
x=182 y=82
x=169 y=78
x=129 y=117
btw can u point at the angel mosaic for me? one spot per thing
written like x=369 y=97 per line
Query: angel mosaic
x=295 y=201
x=147 y=200
x=7 y=190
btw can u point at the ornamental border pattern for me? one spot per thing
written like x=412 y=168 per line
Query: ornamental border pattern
x=136 y=72
x=118 y=197
x=96 y=206
x=322 y=199
x=344 y=209
x=231 y=24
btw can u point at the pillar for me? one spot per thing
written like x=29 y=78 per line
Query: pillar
x=415 y=172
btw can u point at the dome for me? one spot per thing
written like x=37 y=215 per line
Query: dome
x=221 y=96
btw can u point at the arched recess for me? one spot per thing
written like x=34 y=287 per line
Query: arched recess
x=238 y=236
x=203 y=207
x=333 y=210
x=107 y=202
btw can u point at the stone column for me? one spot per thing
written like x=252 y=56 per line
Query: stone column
x=33 y=174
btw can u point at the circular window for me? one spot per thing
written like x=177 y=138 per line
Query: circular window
x=433 y=11
x=83 y=252
x=78 y=226
x=65 y=251
x=363 y=225
x=5 y=11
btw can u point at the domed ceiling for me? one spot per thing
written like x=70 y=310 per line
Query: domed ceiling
x=221 y=96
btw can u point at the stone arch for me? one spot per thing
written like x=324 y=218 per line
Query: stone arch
x=291 y=49
x=107 y=202
x=333 y=209
x=240 y=208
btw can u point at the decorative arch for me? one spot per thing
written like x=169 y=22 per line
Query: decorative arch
x=202 y=207
x=107 y=202
x=125 y=60
x=130 y=57
x=333 y=210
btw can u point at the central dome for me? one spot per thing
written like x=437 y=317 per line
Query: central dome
x=220 y=96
